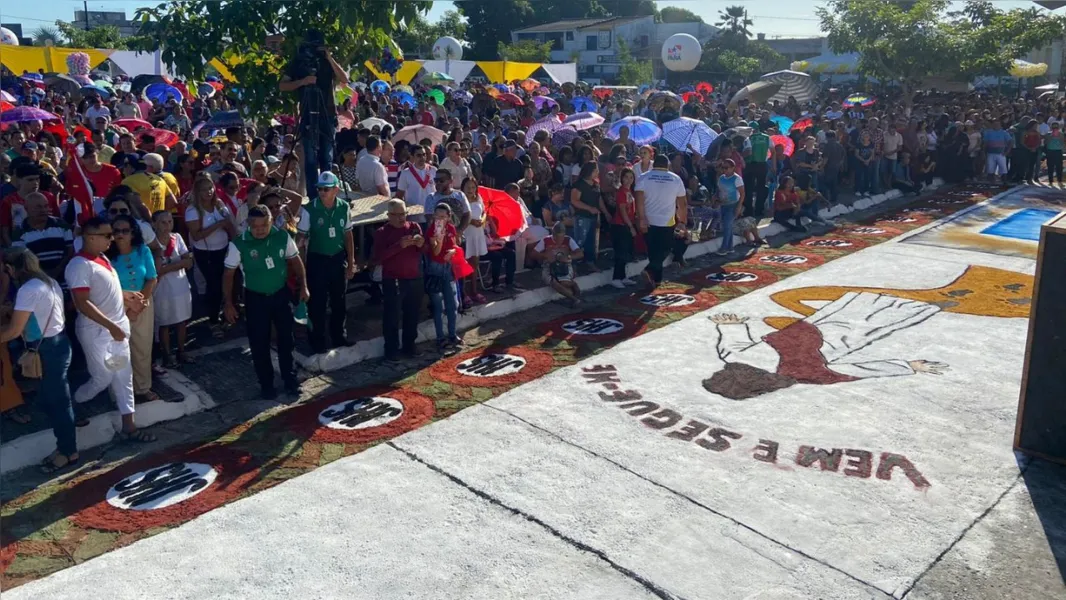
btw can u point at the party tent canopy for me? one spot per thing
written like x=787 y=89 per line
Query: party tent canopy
x=498 y=71
x=47 y=58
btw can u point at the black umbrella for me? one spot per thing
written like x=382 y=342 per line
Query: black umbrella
x=224 y=119
x=142 y=81
x=63 y=84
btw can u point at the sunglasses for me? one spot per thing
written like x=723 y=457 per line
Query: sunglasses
x=118 y=211
x=440 y=181
x=121 y=231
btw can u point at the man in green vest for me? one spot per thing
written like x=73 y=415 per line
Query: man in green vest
x=266 y=256
x=755 y=173
x=326 y=227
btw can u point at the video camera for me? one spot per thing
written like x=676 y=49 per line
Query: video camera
x=309 y=54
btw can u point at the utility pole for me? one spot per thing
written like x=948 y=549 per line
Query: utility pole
x=85 y=4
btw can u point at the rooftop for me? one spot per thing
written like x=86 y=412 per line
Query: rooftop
x=569 y=24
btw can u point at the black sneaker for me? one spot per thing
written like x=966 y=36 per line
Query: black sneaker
x=414 y=353
x=292 y=387
x=393 y=359
x=268 y=393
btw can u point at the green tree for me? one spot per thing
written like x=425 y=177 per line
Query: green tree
x=673 y=14
x=490 y=22
x=418 y=35
x=633 y=71
x=47 y=36
x=629 y=8
x=104 y=36
x=988 y=39
x=735 y=20
x=525 y=51
x=734 y=55
x=192 y=32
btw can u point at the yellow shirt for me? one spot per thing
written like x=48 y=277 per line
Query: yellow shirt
x=152 y=189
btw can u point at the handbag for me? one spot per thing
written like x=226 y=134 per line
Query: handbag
x=30 y=361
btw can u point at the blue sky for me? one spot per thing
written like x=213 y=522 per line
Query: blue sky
x=782 y=18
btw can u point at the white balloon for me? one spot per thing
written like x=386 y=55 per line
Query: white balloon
x=447 y=48
x=681 y=52
x=8 y=37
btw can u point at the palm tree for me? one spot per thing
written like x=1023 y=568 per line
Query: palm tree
x=735 y=20
x=47 y=36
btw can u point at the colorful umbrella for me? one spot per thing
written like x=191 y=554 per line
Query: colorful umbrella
x=502 y=88
x=342 y=93
x=163 y=137
x=405 y=99
x=780 y=140
x=511 y=99
x=462 y=96
x=416 y=133
x=529 y=84
x=406 y=89
x=660 y=100
x=860 y=99
x=802 y=124
x=436 y=78
x=379 y=87
x=689 y=135
x=549 y=124
x=543 y=91
x=690 y=97
x=784 y=124
x=584 y=120
x=642 y=131
x=584 y=104
x=704 y=88
x=5 y=105
x=132 y=124
x=602 y=93
x=373 y=122
x=159 y=92
x=541 y=101
x=562 y=137
x=436 y=95
x=205 y=90
x=23 y=114
x=224 y=119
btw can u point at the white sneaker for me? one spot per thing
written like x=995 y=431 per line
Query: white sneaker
x=628 y=282
x=618 y=284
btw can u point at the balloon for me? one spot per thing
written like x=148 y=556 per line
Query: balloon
x=681 y=52
x=8 y=37
x=447 y=48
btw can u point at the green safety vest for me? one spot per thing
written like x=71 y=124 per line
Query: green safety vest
x=263 y=261
x=325 y=222
x=760 y=147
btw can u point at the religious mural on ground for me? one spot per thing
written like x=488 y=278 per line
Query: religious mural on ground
x=818 y=348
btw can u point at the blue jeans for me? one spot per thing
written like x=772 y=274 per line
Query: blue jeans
x=447 y=297
x=317 y=134
x=585 y=235
x=54 y=392
x=888 y=168
x=729 y=213
x=873 y=177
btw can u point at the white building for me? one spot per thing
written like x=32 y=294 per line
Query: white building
x=593 y=43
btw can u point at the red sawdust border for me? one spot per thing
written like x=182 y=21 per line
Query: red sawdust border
x=631 y=327
x=236 y=469
x=538 y=363
x=417 y=411
x=7 y=555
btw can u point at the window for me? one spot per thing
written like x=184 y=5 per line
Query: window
x=592 y=42
x=556 y=39
x=569 y=36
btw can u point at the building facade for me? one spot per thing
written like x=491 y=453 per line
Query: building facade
x=100 y=18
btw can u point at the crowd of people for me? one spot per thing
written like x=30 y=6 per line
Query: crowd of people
x=118 y=242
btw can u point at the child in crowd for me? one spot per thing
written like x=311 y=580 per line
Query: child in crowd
x=748 y=227
x=476 y=240
x=787 y=205
x=173 y=294
x=440 y=279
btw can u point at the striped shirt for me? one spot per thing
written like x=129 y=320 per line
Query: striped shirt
x=49 y=243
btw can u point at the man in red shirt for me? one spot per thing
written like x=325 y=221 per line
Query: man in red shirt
x=101 y=179
x=27 y=180
x=425 y=116
x=398 y=250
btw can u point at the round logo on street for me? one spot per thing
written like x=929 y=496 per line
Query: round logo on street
x=162 y=486
x=361 y=413
x=869 y=231
x=491 y=365
x=732 y=277
x=593 y=326
x=901 y=219
x=783 y=259
x=828 y=243
x=668 y=300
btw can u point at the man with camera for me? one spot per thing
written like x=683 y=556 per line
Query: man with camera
x=314 y=74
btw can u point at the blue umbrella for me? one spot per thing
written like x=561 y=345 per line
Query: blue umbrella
x=689 y=135
x=642 y=131
x=584 y=104
x=784 y=124
x=379 y=87
x=205 y=90
x=406 y=99
x=160 y=91
x=93 y=90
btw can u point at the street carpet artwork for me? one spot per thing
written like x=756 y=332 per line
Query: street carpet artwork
x=1009 y=224
x=801 y=423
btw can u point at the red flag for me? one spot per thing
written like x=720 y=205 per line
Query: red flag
x=509 y=215
x=79 y=188
x=461 y=268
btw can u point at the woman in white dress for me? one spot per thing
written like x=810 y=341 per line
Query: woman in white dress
x=173 y=294
x=477 y=244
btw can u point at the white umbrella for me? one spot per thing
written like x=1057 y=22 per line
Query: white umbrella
x=373 y=122
x=551 y=123
x=417 y=133
x=584 y=120
x=793 y=83
x=689 y=135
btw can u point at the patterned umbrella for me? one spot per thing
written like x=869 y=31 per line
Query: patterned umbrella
x=659 y=100
x=782 y=140
x=132 y=124
x=584 y=120
x=688 y=135
x=642 y=131
x=163 y=137
x=793 y=83
x=584 y=104
x=379 y=87
x=462 y=96
x=541 y=101
x=549 y=124
x=22 y=114
x=224 y=119
x=511 y=99
x=757 y=92
x=564 y=136
x=860 y=99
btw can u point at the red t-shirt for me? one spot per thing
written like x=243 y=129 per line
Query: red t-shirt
x=624 y=203
x=104 y=180
x=13 y=211
x=450 y=236
x=785 y=200
x=397 y=262
x=428 y=118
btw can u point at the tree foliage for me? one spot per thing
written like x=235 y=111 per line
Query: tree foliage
x=192 y=32
x=525 y=51
x=490 y=22
x=987 y=39
x=673 y=14
x=47 y=36
x=734 y=19
x=629 y=8
x=633 y=71
x=418 y=35
x=734 y=54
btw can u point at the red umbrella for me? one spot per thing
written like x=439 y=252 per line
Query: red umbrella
x=5 y=105
x=802 y=124
x=133 y=124
x=511 y=99
x=162 y=137
x=704 y=88
x=602 y=93
x=689 y=97
x=782 y=140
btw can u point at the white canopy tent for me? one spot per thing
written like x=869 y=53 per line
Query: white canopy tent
x=561 y=72
x=139 y=63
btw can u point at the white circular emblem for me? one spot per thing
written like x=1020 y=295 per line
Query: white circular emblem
x=783 y=259
x=667 y=300
x=828 y=243
x=491 y=365
x=868 y=231
x=361 y=413
x=901 y=219
x=593 y=326
x=161 y=487
x=732 y=277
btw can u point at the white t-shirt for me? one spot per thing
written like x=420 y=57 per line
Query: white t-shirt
x=45 y=301
x=661 y=191
x=459 y=171
x=218 y=238
x=371 y=174
x=92 y=113
x=233 y=256
x=98 y=277
x=414 y=193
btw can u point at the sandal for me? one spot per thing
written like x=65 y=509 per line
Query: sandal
x=137 y=436
x=480 y=299
x=18 y=416
x=52 y=464
x=159 y=371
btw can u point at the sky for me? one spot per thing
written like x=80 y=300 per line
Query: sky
x=775 y=18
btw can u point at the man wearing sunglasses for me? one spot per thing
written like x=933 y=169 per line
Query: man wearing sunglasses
x=415 y=184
